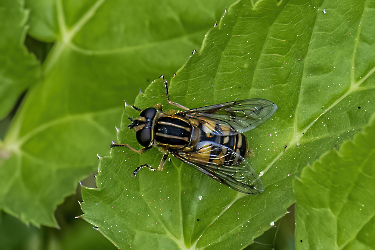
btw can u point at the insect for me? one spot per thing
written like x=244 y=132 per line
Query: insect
x=208 y=138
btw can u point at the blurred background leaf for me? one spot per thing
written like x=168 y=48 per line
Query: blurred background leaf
x=309 y=57
x=91 y=56
x=19 y=69
x=102 y=53
x=313 y=58
x=335 y=197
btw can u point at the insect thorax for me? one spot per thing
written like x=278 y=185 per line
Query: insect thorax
x=172 y=132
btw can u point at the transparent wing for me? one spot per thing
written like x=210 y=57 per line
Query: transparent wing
x=240 y=116
x=225 y=166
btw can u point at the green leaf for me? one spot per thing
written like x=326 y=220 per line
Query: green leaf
x=335 y=197
x=15 y=235
x=312 y=58
x=18 y=68
x=10 y=231
x=103 y=52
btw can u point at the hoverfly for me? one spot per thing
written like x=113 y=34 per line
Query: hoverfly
x=208 y=138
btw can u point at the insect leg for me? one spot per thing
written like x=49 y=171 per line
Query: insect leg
x=140 y=167
x=160 y=168
x=140 y=151
x=162 y=162
x=136 y=108
x=167 y=94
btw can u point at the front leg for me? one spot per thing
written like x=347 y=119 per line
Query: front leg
x=160 y=168
x=139 y=151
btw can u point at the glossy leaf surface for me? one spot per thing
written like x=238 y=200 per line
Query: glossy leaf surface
x=103 y=52
x=312 y=58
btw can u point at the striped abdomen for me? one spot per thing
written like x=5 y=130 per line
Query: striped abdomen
x=222 y=150
x=172 y=132
x=236 y=142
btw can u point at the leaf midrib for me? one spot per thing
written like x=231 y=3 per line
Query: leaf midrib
x=67 y=34
x=14 y=143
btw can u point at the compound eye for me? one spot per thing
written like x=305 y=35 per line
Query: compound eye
x=149 y=113
x=144 y=137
